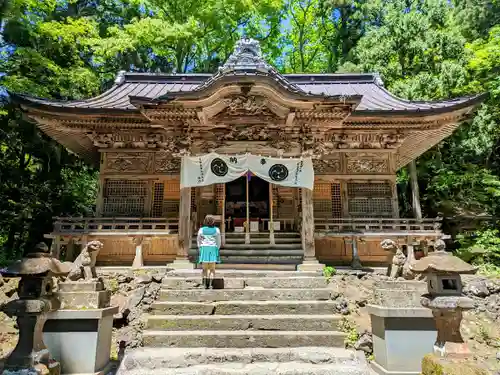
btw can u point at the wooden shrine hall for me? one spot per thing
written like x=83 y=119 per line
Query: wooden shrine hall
x=356 y=134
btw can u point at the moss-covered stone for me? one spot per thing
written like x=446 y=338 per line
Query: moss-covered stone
x=432 y=365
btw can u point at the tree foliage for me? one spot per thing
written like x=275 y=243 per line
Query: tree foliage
x=71 y=49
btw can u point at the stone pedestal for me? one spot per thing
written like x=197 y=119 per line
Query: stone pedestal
x=77 y=295
x=403 y=331
x=80 y=339
x=79 y=334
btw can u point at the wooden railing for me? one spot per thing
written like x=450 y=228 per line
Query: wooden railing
x=377 y=225
x=87 y=225
x=285 y=224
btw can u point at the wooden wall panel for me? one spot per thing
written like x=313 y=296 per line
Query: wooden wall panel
x=331 y=250
x=160 y=250
x=371 y=251
x=116 y=251
x=335 y=250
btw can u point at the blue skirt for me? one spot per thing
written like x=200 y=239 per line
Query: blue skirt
x=209 y=254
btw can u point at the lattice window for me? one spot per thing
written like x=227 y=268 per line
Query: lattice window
x=194 y=199
x=322 y=199
x=157 y=205
x=369 y=199
x=170 y=208
x=220 y=195
x=336 y=200
x=124 y=198
x=299 y=200
x=278 y=208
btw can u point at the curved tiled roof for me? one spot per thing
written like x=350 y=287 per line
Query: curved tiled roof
x=375 y=98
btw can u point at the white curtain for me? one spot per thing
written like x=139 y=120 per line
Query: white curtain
x=214 y=168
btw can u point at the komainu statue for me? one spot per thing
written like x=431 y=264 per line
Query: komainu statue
x=83 y=268
x=397 y=260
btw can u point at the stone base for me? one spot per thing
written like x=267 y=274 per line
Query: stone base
x=181 y=264
x=311 y=266
x=80 y=339
x=432 y=365
x=84 y=300
x=382 y=371
x=81 y=286
x=401 y=338
x=356 y=264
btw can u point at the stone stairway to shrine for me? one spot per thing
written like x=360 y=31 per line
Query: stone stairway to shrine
x=287 y=250
x=252 y=322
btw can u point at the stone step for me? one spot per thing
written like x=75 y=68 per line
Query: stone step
x=277 y=234
x=216 y=361
x=255 y=267
x=268 y=252
x=263 y=241
x=258 y=368
x=242 y=339
x=243 y=322
x=278 y=240
x=244 y=273
x=245 y=308
x=284 y=259
x=258 y=246
x=240 y=283
x=260 y=294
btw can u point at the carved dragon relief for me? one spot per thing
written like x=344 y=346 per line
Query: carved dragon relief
x=170 y=143
x=128 y=162
x=324 y=144
x=367 y=163
x=165 y=163
x=323 y=166
x=241 y=108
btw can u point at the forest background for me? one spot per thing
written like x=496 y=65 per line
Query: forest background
x=423 y=49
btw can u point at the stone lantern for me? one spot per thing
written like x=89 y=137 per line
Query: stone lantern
x=445 y=298
x=36 y=299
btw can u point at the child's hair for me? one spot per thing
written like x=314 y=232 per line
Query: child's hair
x=209 y=221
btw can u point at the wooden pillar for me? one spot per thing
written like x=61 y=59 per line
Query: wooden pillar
x=139 y=258
x=356 y=261
x=415 y=193
x=310 y=263
x=271 y=223
x=223 y=217
x=100 y=197
x=184 y=235
x=247 y=229
x=70 y=251
x=56 y=247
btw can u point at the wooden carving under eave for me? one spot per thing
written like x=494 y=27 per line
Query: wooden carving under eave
x=243 y=108
x=325 y=166
x=171 y=143
x=367 y=163
x=325 y=144
x=128 y=162
x=166 y=163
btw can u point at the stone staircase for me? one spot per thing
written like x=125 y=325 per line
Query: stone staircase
x=287 y=249
x=252 y=322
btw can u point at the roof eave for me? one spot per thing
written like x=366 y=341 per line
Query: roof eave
x=472 y=102
x=27 y=103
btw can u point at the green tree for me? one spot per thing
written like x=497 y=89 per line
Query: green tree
x=193 y=35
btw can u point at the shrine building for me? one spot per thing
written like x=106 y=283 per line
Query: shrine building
x=298 y=169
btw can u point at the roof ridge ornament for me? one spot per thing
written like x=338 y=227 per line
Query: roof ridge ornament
x=378 y=79
x=120 y=77
x=247 y=54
